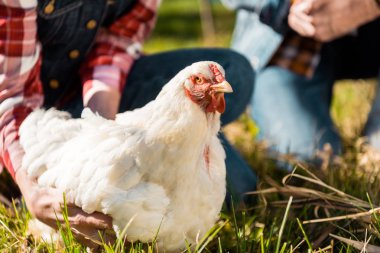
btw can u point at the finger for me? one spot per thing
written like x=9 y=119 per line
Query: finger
x=300 y=21
x=54 y=218
x=301 y=6
x=301 y=16
x=301 y=27
x=96 y=220
x=24 y=181
x=87 y=238
x=92 y=237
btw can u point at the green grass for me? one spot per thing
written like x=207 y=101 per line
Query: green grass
x=276 y=222
x=179 y=26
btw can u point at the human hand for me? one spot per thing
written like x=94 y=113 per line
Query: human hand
x=103 y=100
x=325 y=20
x=46 y=204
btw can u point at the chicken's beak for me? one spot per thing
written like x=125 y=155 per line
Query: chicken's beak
x=224 y=87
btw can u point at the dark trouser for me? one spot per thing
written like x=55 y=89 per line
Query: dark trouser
x=150 y=73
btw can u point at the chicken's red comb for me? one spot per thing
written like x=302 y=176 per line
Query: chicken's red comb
x=218 y=75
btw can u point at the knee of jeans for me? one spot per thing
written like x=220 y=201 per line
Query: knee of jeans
x=242 y=68
x=307 y=147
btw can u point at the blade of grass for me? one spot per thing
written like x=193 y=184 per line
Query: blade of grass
x=283 y=224
x=209 y=237
x=344 y=217
x=304 y=235
x=235 y=226
x=358 y=245
x=220 y=248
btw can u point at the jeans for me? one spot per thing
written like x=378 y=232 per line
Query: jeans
x=150 y=73
x=293 y=112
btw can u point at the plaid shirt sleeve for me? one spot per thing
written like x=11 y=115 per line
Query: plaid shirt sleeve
x=116 y=48
x=20 y=87
x=298 y=54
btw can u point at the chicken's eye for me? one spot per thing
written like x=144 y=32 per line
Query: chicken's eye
x=198 y=80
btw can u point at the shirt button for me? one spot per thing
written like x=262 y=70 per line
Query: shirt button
x=54 y=84
x=49 y=9
x=74 y=54
x=91 y=24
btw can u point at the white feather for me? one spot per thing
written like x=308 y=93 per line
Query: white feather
x=148 y=164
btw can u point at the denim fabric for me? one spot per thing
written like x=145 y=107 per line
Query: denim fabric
x=259 y=28
x=150 y=73
x=65 y=30
x=273 y=13
x=293 y=112
x=255 y=40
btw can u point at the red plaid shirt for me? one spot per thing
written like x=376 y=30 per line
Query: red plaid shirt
x=106 y=67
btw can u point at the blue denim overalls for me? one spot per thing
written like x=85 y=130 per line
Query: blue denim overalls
x=66 y=29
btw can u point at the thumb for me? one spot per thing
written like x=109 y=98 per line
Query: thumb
x=301 y=6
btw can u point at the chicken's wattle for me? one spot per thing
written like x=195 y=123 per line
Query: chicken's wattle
x=217 y=103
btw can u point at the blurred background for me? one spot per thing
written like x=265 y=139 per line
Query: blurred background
x=191 y=23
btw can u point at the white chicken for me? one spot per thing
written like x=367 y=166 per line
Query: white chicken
x=161 y=166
